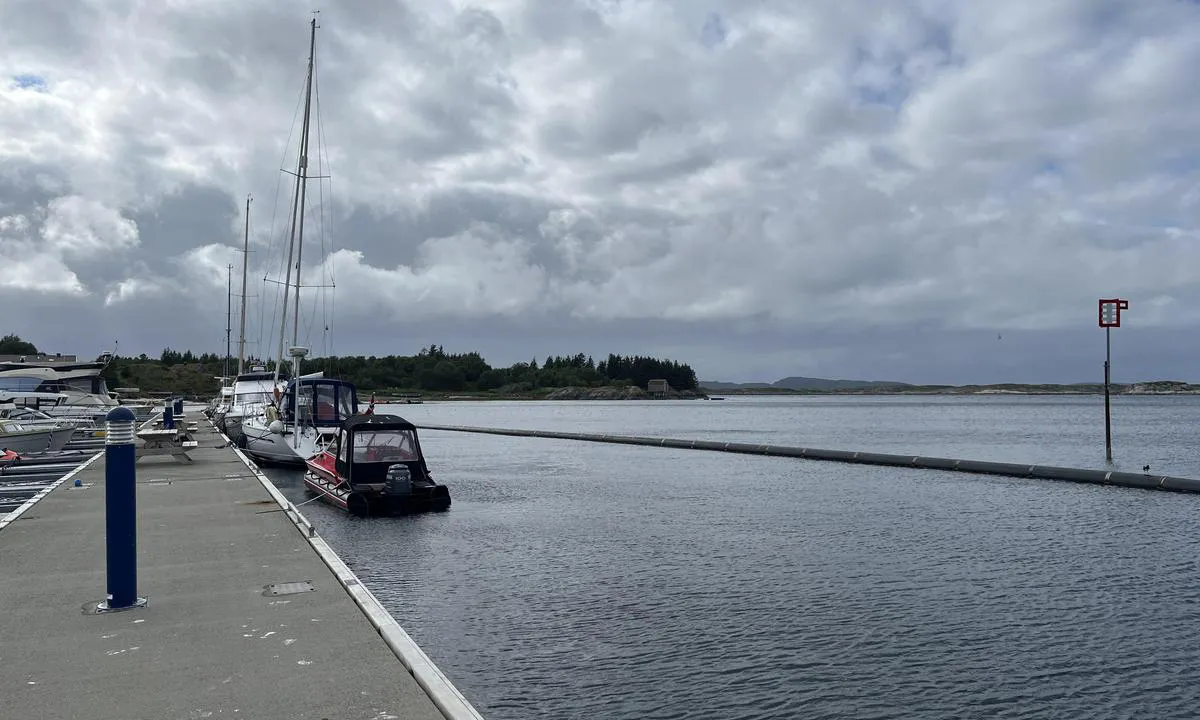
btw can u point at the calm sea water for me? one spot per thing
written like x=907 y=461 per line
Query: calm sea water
x=578 y=580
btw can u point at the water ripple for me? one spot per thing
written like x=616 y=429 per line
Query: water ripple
x=592 y=581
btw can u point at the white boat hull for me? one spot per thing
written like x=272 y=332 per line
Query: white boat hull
x=233 y=429
x=288 y=448
x=36 y=440
x=236 y=416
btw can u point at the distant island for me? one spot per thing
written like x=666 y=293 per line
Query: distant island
x=820 y=386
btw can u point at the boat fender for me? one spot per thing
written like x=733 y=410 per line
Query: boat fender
x=276 y=427
x=358 y=504
x=6 y=455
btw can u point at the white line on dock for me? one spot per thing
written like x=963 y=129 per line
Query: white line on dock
x=441 y=691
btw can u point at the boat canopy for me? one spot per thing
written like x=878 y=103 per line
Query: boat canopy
x=322 y=402
x=369 y=444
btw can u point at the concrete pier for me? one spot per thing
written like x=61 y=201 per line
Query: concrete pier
x=250 y=614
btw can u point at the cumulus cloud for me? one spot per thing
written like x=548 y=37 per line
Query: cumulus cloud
x=760 y=176
x=134 y=288
x=35 y=249
x=82 y=228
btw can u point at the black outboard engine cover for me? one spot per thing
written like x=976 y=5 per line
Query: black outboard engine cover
x=399 y=480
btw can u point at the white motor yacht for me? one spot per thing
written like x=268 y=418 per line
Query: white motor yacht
x=218 y=406
x=85 y=391
x=252 y=393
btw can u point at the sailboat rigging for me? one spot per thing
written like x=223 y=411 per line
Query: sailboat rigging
x=299 y=197
x=299 y=423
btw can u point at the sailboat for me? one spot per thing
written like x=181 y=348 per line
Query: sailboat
x=306 y=411
x=251 y=392
x=218 y=406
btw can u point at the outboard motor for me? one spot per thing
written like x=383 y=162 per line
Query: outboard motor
x=399 y=480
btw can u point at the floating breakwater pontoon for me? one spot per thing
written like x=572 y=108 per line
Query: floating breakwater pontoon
x=981 y=467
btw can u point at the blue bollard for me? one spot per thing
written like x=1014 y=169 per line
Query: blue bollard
x=168 y=417
x=120 y=510
x=178 y=407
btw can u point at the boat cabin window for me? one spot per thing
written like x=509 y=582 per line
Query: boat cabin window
x=384 y=445
x=17 y=383
x=345 y=402
x=252 y=398
x=324 y=403
x=89 y=385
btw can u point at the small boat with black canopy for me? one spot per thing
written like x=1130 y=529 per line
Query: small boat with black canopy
x=375 y=467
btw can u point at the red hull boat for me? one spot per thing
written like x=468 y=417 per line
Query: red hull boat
x=375 y=467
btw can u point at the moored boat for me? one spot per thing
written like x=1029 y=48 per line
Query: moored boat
x=251 y=396
x=301 y=422
x=81 y=387
x=15 y=436
x=375 y=467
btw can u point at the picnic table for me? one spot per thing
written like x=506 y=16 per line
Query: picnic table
x=175 y=442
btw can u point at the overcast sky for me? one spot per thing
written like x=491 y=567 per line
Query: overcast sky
x=928 y=191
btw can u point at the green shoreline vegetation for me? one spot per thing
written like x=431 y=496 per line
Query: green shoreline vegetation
x=432 y=373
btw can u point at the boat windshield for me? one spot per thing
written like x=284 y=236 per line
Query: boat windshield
x=322 y=403
x=18 y=383
x=330 y=404
x=384 y=446
x=253 y=398
x=23 y=413
x=88 y=385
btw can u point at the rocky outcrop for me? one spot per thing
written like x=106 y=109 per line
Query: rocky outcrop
x=1162 y=387
x=627 y=392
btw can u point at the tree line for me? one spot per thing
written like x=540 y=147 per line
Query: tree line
x=13 y=345
x=432 y=370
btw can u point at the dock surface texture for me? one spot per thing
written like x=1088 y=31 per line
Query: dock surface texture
x=212 y=642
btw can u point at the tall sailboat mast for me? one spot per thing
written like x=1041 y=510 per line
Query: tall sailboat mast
x=298 y=208
x=245 y=267
x=303 y=180
x=228 y=317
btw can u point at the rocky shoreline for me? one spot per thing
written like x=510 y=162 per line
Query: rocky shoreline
x=631 y=392
x=1158 y=387
x=628 y=392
